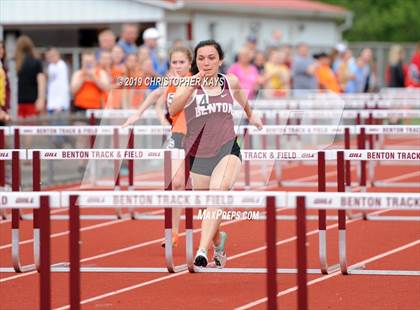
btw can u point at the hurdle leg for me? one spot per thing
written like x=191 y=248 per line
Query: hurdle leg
x=36 y=187
x=74 y=252
x=45 y=261
x=37 y=237
x=15 y=241
x=342 y=241
x=372 y=164
x=271 y=254
x=341 y=214
x=189 y=239
x=278 y=169
x=189 y=224
x=347 y=173
x=302 y=295
x=18 y=267
x=322 y=215
x=264 y=167
x=277 y=163
x=362 y=181
x=131 y=170
x=16 y=219
x=169 y=255
x=116 y=143
x=247 y=164
x=16 y=165
x=347 y=162
x=92 y=167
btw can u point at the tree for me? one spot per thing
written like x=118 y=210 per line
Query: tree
x=382 y=20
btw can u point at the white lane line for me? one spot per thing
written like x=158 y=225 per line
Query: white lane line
x=86 y=228
x=400 y=177
x=106 y=254
x=334 y=274
x=142 y=284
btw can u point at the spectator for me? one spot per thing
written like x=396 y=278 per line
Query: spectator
x=325 y=75
x=337 y=55
x=334 y=55
x=4 y=86
x=413 y=75
x=396 y=71
x=288 y=51
x=58 y=98
x=106 y=39
x=88 y=84
x=118 y=56
x=246 y=73
x=277 y=75
x=31 y=79
x=105 y=62
x=259 y=61
x=129 y=35
x=134 y=92
x=251 y=46
x=160 y=66
x=142 y=55
x=303 y=71
x=147 y=67
x=118 y=73
x=347 y=72
x=178 y=43
x=363 y=74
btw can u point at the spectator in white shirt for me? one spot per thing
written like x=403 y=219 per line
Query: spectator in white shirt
x=58 y=89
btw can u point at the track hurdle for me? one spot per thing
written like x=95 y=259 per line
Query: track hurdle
x=15 y=156
x=247 y=131
x=375 y=155
x=342 y=201
x=95 y=154
x=41 y=202
x=360 y=201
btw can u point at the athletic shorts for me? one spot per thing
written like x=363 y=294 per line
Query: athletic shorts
x=176 y=141
x=206 y=165
x=27 y=110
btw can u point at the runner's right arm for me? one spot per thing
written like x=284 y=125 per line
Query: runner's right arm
x=160 y=110
x=183 y=94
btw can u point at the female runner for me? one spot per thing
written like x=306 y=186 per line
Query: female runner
x=180 y=65
x=210 y=142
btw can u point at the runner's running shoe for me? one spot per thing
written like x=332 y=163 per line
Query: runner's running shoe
x=201 y=258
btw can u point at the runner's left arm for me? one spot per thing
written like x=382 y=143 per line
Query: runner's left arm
x=240 y=97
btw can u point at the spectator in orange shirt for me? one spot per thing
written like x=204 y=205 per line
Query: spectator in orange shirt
x=325 y=75
x=118 y=72
x=136 y=88
x=88 y=84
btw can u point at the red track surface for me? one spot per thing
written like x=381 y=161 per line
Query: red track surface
x=138 y=243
